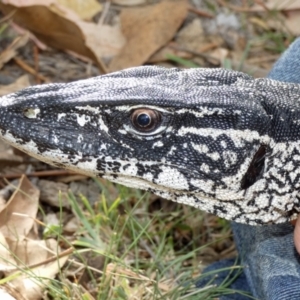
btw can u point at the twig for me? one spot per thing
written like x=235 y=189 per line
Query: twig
x=39 y=174
x=11 y=51
x=196 y=53
x=200 y=12
x=259 y=72
x=257 y=60
x=261 y=3
x=36 y=63
x=22 y=64
x=46 y=261
x=8 y=16
x=209 y=46
x=234 y=7
x=104 y=13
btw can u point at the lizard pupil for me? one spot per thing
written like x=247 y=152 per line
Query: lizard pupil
x=145 y=119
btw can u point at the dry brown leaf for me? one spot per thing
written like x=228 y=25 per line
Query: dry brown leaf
x=106 y=41
x=288 y=22
x=84 y=9
x=277 y=5
x=31 y=253
x=162 y=54
x=72 y=225
x=2 y=202
x=117 y=270
x=129 y=2
x=192 y=36
x=8 y=158
x=134 y=284
x=4 y=295
x=54 y=193
x=218 y=54
x=40 y=256
x=292 y=22
x=61 y=28
x=263 y=23
x=18 y=216
x=7 y=260
x=21 y=83
x=20 y=30
x=11 y=51
x=50 y=22
x=147 y=29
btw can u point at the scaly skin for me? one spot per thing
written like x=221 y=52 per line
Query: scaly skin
x=218 y=140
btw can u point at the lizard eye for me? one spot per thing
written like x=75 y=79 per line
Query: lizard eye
x=145 y=119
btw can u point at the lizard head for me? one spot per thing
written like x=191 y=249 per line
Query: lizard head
x=198 y=136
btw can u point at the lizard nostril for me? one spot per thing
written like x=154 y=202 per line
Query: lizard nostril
x=31 y=112
x=255 y=169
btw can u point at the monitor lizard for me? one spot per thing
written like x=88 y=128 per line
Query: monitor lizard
x=215 y=139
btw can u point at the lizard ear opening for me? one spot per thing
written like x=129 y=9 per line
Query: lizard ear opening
x=255 y=169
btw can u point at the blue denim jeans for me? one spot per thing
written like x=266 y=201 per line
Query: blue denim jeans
x=267 y=253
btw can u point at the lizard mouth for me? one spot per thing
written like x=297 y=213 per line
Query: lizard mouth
x=255 y=169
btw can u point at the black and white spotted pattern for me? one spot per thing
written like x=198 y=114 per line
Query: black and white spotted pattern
x=227 y=143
